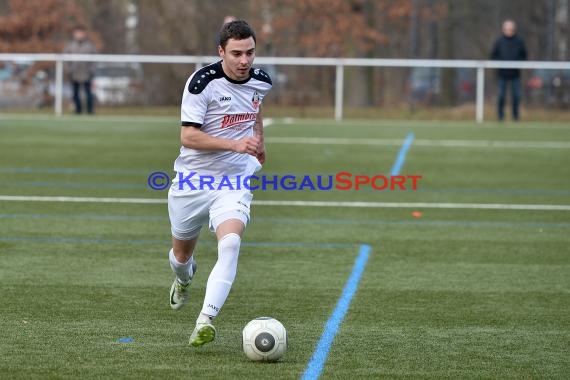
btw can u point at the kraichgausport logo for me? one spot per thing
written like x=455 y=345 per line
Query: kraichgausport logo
x=338 y=181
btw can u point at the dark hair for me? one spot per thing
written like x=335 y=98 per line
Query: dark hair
x=238 y=30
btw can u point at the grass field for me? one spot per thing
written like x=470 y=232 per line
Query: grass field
x=471 y=289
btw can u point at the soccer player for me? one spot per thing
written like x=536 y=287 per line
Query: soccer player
x=222 y=138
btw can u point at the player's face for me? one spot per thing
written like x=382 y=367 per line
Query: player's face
x=238 y=57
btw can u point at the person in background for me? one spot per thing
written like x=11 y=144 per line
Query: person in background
x=509 y=47
x=227 y=19
x=81 y=73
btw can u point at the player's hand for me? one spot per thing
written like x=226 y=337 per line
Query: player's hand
x=249 y=145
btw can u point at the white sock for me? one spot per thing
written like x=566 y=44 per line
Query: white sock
x=183 y=271
x=222 y=275
x=203 y=318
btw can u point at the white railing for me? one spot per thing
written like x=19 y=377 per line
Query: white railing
x=339 y=63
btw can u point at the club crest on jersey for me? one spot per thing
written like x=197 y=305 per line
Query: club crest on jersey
x=255 y=100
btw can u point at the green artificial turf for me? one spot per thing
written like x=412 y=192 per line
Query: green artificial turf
x=454 y=293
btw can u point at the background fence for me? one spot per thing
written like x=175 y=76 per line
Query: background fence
x=339 y=65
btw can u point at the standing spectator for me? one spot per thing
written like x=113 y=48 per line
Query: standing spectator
x=509 y=47
x=81 y=72
x=227 y=19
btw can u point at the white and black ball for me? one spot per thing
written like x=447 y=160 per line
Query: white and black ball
x=264 y=339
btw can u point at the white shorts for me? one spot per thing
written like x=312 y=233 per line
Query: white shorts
x=190 y=210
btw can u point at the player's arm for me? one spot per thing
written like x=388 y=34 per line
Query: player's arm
x=192 y=137
x=258 y=131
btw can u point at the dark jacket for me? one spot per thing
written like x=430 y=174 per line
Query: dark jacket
x=509 y=49
x=80 y=71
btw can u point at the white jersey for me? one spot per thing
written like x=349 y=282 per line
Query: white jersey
x=225 y=108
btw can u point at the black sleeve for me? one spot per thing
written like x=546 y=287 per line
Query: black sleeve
x=204 y=76
x=191 y=124
x=260 y=75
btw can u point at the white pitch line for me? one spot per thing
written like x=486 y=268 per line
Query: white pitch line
x=481 y=206
x=420 y=142
x=23 y=198
x=95 y=119
x=419 y=205
x=493 y=144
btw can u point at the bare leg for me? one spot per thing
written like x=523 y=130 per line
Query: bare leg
x=183 y=249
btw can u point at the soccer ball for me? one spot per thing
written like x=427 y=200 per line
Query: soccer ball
x=264 y=339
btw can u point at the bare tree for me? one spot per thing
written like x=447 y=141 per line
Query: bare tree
x=39 y=26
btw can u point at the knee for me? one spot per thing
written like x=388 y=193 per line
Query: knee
x=182 y=255
x=183 y=249
x=229 y=243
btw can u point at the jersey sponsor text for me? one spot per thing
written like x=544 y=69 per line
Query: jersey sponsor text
x=231 y=120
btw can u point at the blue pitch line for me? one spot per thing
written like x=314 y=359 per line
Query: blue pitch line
x=401 y=158
x=418 y=223
x=318 y=221
x=85 y=217
x=76 y=240
x=317 y=362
